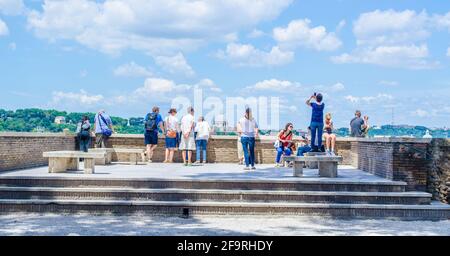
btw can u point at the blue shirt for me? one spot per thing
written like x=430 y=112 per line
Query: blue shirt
x=159 y=120
x=317 y=112
x=99 y=123
x=356 y=127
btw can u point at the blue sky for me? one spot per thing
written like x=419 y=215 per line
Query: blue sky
x=381 y=57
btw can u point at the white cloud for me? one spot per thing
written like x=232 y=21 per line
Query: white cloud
x=84 y=73
x=156 y=27
x=448 y=52
x=132 y=70
x=288 y=109
x=248 y=55
x=391 y=27
x=392 y=39
x=154 y=86
x=175 y=64
x=388 y=83
x=337 y=87
x=11 y=7
x=3 y=28
x=400 y=56
x=274 y=85
x=207 y=84
x=420 y=113
x=299 y=34
x=382 y=97
x=163 y=90
x=340 y=26
x=81 y=98
x=256 y=33
x=442 y=21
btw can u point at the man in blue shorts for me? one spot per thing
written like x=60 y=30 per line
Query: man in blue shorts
x=152 y=121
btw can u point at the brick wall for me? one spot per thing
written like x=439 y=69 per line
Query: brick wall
x=24 y=150
x=374 y=157
x=398 y=159
x=439 y=170
x=221 y=149
x=423 y=164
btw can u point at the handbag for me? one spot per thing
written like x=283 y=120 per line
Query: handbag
x=277 y=144
x=105 y=131
x=171 y=134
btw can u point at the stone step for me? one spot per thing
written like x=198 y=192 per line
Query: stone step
x=244 y=184
x=112 y=193
x=435 y=211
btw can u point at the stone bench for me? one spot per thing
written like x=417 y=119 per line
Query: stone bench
x=108 y=155
x=327 y=164
x=61 y=161
x=314 y=164
x=132 y=155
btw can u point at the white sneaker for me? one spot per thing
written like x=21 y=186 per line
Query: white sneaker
x=246 y=168
x=332 y=153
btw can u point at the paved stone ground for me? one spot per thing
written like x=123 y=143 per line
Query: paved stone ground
x=62 y=225
x=84 y=225
x=207 y=171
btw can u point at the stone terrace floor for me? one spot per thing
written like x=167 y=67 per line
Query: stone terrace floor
x=203 y=172
x=74 y=225
x=82 y=224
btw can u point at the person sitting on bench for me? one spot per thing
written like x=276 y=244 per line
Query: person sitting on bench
x=304 y=146
x=284 y=145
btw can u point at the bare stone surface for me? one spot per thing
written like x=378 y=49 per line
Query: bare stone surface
x=132 y=225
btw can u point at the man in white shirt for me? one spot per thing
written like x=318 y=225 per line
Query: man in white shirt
x=187 y=144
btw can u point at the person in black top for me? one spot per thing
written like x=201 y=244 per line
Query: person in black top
x=84 y=133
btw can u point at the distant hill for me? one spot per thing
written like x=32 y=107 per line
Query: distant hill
x=39 y=120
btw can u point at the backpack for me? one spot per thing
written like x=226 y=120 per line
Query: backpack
x=150 y=124
x=106 y=131
x=84 y=133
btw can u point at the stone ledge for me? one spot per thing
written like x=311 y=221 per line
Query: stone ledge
x=313 y=181
x=213 y=191
x=433 y=206
x=225 y=137
x=33 y=134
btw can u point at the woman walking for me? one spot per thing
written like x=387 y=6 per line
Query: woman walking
x=248 y=130
x=171 y=127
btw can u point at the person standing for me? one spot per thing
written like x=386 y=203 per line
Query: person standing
x=84 y=133
x=201 y=141
x=359 y=126
x=152 y=121
x=247 y=128
x=316 y=120
x=171 y=127
x=187 y=144
x=330 y=137
x=103 y=128
x=240 y=151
